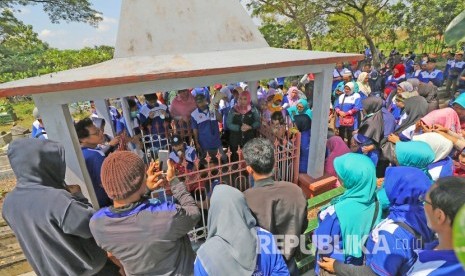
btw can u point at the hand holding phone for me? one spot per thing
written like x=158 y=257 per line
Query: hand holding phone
x=155 y=177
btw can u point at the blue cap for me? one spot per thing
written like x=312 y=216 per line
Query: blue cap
x=273 y=84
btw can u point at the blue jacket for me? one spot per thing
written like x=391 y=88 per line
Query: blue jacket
x=436 y=77
x=94 y=159
x=352 y=105
x=456 y=67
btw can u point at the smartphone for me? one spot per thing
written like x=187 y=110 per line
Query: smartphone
x=160 y=165
x=163 y=156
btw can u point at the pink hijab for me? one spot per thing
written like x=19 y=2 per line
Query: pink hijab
x=336 y=147
x=293 y=101
x=183 y=108
x=244 y=110
x=446 y=117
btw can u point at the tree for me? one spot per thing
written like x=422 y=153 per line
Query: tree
x=58 y=10
x=280 y=34
x=426 y=21
x=31 y=64
x=301 y=13
x=362 y=14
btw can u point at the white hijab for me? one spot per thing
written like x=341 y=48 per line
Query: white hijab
x=438 y=143
x=362 y=86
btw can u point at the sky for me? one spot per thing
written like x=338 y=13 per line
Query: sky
x=75 y=35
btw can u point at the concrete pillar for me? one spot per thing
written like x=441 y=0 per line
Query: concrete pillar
x=60 y=127
x=321 y=105
x=253 y=91
x=103 y=112
x=127 y=115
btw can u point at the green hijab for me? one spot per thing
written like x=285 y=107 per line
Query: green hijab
x=415 y=154
x=460 y=100
x=294 y=111
x=355 y=208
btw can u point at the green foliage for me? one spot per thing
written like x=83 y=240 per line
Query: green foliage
x=280 y=34
x=302 y=14
x=61 y=10
x=348 y=25
x=23 y=54
x=425 y=21
x=24 y=65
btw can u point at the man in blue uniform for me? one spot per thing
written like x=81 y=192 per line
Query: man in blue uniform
x=432 y=74
x=206 y=131
x=442 y=203
x=90 y=137
x=456 y=67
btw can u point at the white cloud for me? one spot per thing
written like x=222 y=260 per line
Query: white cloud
x=106 y=24
x=45 y=33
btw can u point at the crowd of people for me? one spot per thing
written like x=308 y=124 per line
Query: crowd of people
x=396 y=153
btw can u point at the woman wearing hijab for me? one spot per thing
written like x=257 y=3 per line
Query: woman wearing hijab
x=301 y=116
x=292 y=96
x=445 y=117
x=459 y=106
x=335 y=147
x=371 y=130
x=183 y=105
x=299 y=110
x=233 y=238
x=275 y=103
x=414 y=109
x=243 y=121
x=416 y=154
x=442 y=165
x=350 y=217
x=347 y=107
x=364 y=87
x=398 y=76
x=404 y=90
x=427 y=91
x=392 y=242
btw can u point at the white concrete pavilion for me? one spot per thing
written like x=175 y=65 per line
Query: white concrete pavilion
x=170 y=45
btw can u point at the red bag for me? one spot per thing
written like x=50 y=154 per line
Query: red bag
x=346 y=121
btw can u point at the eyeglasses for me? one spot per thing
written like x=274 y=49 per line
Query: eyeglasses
x=422 y=199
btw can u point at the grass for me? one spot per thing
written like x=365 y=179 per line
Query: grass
x=25 y=119
x=23 y=111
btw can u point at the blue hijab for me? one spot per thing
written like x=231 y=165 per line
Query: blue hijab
x=403 y=187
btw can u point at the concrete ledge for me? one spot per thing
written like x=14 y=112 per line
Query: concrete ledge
x=5 y=139
x=313 y=187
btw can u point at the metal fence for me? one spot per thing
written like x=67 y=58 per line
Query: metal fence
x=201 y=177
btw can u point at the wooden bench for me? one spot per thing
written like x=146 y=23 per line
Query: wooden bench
x=306 y=262
x=315 y=186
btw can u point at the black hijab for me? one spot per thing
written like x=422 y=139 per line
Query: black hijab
x=415 y=108
x=372 y=125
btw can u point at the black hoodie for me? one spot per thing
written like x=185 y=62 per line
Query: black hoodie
x=51 y=225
